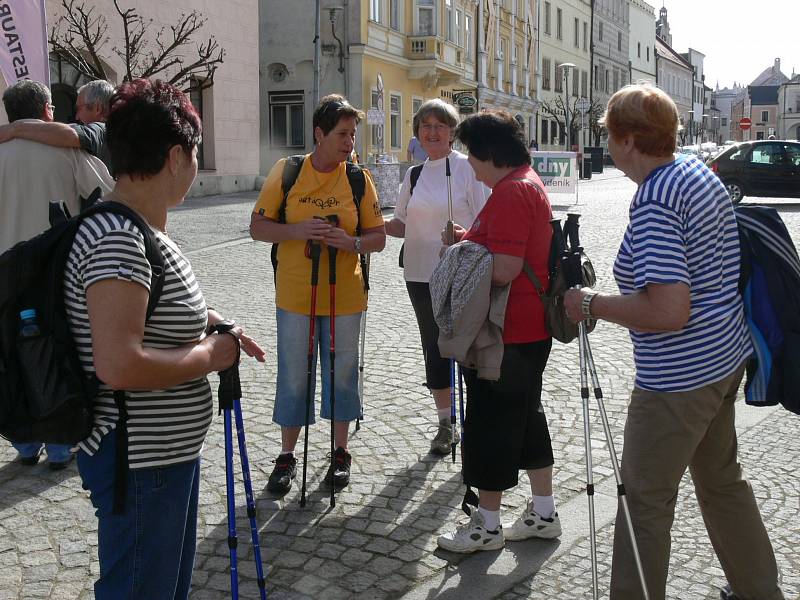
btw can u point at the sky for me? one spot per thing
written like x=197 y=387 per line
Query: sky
x=740 y=38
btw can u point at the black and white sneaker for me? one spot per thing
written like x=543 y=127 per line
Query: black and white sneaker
x=532 y=524
x=472 y=536
x=338 y=473
x=280 y=480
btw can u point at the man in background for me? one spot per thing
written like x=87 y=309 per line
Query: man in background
x=89 y=133
x=31 y=176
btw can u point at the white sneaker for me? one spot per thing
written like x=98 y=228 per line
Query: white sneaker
x=472 y=536
x=532 y=524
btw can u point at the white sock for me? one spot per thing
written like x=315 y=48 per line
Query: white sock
x=444 y=413
x=285 y=451
x=544 y=506
x=491 y=519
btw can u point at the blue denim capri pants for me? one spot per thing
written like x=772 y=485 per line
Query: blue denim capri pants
x=290 y=397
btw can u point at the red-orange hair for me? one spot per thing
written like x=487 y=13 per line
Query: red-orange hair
x=648 y=114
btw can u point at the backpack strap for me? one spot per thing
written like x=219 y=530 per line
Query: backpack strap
x=156 y=260
x=534 y=279
x=358 y=185
x=291 y=170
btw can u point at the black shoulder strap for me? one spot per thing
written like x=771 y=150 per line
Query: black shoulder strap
x=151 y=248
x=416 y=171
x=358 y=185
x=291 y=169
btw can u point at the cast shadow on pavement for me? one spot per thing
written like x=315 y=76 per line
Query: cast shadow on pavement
x=298 y=543
x=20 y=482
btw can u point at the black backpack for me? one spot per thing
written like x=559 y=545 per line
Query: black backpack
x=45 y=396
x=416 y=171
x=358 y=184
x=769 y=282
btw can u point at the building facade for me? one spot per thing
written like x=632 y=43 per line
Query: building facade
x=564 y=38
x=228 y=155
x=698 y=114
x=760 y=104
x=610 y=57
x=385 y=55
x=722 y=100
x=675 y=77
x=789 y=109
x=642 y=42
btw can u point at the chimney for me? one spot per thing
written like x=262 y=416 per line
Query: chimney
x=777 y=67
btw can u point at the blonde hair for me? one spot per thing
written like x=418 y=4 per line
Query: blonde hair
x=646 y=113
x=438 y=109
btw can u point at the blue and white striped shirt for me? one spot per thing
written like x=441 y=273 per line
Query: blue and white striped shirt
x=682 y=230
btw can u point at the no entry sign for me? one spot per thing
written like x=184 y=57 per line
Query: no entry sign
x=745 y=123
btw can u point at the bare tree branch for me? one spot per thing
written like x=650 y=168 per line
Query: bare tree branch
x=164 y=54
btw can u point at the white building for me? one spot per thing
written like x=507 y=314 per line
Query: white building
x=564 y=38
x=789 y=109
x=723 y=99
x=642 y=42
x=610 y=61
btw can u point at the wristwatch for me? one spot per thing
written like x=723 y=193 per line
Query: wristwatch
x=357 y=244
x=586 y=304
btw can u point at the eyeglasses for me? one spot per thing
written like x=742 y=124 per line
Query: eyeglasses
x=437 y=127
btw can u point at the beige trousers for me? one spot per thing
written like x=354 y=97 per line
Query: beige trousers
x=665 y=433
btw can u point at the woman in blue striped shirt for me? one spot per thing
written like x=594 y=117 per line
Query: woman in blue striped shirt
x=677 y=270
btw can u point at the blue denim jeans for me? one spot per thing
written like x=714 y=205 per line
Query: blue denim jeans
x=55 y=452
x=290 y=397
x=148 y=551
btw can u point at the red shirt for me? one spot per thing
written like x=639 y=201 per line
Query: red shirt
x=516 y=221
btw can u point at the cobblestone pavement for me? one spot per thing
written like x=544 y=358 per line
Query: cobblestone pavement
x=380 y=539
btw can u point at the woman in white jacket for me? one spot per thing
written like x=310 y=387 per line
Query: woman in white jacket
x=420 y=215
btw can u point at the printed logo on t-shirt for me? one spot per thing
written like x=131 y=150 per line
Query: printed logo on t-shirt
x=376 y=209
x=319 y=202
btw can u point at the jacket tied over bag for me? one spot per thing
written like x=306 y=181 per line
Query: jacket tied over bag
x=469 y=311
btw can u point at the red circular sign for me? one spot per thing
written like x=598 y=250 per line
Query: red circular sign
x=745 y=123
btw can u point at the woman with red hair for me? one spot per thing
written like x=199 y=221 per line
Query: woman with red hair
x=147 y=510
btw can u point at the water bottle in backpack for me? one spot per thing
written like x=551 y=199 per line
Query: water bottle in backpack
x=28 y=327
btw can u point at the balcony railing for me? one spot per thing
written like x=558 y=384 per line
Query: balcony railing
x=423 y=47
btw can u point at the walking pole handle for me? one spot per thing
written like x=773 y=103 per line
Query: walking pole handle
x=334 y=221
x=313 y=250
x=230 y=388
x=571 y=229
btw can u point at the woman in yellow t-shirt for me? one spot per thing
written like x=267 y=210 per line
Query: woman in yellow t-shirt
x=322 y=190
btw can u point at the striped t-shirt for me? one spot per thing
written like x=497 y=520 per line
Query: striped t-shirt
x=165 y=426
x=682 y=230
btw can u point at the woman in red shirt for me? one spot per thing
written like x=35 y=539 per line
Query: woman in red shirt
x=505 y=429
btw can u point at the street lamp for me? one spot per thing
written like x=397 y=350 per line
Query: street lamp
x=565 y=67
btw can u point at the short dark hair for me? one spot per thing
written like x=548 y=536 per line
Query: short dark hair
x=494 y=135
x=331 y=110
x=26 y=99
x=145 y=120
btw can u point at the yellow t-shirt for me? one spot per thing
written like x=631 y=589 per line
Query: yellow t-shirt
x=317 y=194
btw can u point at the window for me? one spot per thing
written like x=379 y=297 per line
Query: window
x=394 y=120
x=767 y=154
x=468 y=35
x=577 y=36
x=759 y=135
x=460 y=28
x=287 y=128
x=503 y=62
x=585 y=34
x=792 y=154
x=558 y=24
x=575 y=74
x=764 y=116
x=605 y=88
x=616 y=81
x=543 y=131
x=547 y=18
x=545 y=73
x=394 y=14
x=448 y=17
x=619 y=41
x=375 y=130
x=197 y=94
x=553 y=131
x=596 y=77
x=559 y=80
x=600 y=31
x=426 y=18
x=415 y=104
x=375 y=10
x=724 y=122
x=648 y=54
x=639 y=49
x=584 y=84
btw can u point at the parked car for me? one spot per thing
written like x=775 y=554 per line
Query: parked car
x=759 y=168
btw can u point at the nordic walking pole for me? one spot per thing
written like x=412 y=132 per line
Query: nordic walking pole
x=334 y=221
x=598 y=394
x=230 y=394
x=361 y=353
x=451 y=239
x=313 y=250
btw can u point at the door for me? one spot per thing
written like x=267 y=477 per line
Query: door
x=766 y=171
x=793 y=161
